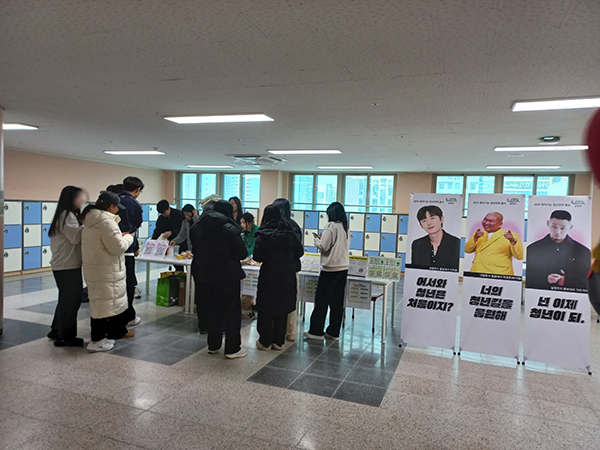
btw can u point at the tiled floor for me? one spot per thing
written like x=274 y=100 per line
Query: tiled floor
x=162 y=390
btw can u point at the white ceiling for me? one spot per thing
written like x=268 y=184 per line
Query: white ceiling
x=99 y=75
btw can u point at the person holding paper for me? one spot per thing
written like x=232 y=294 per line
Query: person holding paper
x=557 y=259
x=438 y=248
x=494 y=247
x=191 y=217
x=169 y=222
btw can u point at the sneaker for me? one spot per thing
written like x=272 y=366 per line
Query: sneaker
x=135 y=322
x=260 y=346
x=291 y=337
x=100 y=346
x=314 y=337
x=333 y=338
x=137 y=293
x=53 y=335
x=213 y=352
x=110 y=341
x=73 y=342
x=128 y=335
x=239 y=354
x=277 y=347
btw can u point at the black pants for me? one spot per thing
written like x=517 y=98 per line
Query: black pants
x=271 y=329
x=201 y=303
x=224 y=313
x=330 y=294
x=114 y=327
x=131 y=281
x=70 y=291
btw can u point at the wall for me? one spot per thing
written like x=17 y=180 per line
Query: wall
x=407 y=183
x=33 y=176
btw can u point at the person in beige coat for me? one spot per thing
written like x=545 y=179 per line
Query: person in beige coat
x=103 y=248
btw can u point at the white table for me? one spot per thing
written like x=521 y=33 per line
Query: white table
x=189 y=283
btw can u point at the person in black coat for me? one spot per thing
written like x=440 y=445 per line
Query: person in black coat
x=278 y=248
x=438 y=248
x=218 y=250
x=169 y=221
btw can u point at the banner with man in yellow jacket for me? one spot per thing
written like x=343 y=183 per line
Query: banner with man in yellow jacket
x=492 y=281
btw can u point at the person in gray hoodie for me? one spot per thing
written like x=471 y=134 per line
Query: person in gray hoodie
x=334 y=245
x=191 y=217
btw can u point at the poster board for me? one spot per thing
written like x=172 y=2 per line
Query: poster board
x=311 y=262
x=155 y=249
x=359 y=266
x=384 y=268
x=358 y=294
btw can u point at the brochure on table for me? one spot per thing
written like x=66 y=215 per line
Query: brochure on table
x=311 y=262
x=384 y=268
x=155 y=249
x=359 y=266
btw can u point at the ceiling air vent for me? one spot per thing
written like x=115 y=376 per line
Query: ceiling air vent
x=257 y=160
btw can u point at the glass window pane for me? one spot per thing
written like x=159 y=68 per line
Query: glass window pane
x=207 y=185
x=185 y=201
x=302 y=196
x=231 y=185
x=552 y=185
x=251 y=190
x=381 y=191
x=355 y=192
x=188 y=185
x=449 y=184
x=326 y=189
x=304 y=207
x=519 y=185
x=479 y=185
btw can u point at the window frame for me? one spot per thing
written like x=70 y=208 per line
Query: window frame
x=219 y=185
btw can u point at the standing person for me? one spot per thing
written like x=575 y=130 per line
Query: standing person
x=191 y=217
x=169 y=222
x=334 y=245
x=103 y=249
x=285 y=209
x=249 y=231
x=278 y=248
x=116 y=188
x=65 y=245
x=237 y=209
x=219 y=250
x=131 y=220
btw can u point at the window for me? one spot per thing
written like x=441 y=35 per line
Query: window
x=519 y=185
x=189 y=183
x=477 y=184
x=208 y=185
x=231 y=186
x=381 y=193
x=449 y=184
x=314 y=192
x=303 y=192
x=325 y=191
x=251 y=190
x=355 y=193
x=552 y=185
x=194 y=187
x=374 y=193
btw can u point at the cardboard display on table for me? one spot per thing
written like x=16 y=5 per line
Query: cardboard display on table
x=359 y=266
x=311 y=262
x=384 y=268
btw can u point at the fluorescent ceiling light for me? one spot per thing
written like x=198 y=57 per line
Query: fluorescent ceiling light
x=551 y=105
x=553 y=148
x=226 y=118
x=207 y=166
x=523 y=167
x=345 y=167
x=304 y=152
x=133 y=152
x=18 y=126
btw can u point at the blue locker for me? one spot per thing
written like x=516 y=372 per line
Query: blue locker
x=403 y=256
x=403 y=224
x=524 y=237
x=310 y=250
x=462 y=247
x=388 y=242
x=32 y=213
x=151 y=227
x=356 y=240
x=373 y=223
x=311 y=220
x=32 y=258
x=13 y=236
x=45 y=237
x=145 y=213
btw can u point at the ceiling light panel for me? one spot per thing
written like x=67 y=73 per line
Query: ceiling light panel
x=556 y=104
x=133 y=152
x=304 y=152
x=208 y=166
x=523 y=167
x=18 y=126
x=554 y=148
x=345 y=167
x=225 y=118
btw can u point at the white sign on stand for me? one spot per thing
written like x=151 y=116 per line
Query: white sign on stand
x=359 y=294
x=311 y=262
x=309 y=288
x=359 y=265
x=250 y=283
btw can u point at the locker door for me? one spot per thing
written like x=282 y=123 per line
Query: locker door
x=403 y=224
x=463 y=227
x=462 y=248
x=402 y=242
x=323 y=220
x=311 y=220
x=309 y=249
x=32 y=235
x=403 y=256
x=32 y=213
x=389 y=223
x=387 y=255
x=357 y=222
x=46 y=256
x=143 y=231
x=356 y=240
x=13 y=236
x=13 y=213
x=356 y=253
x=45 y=237
x=373 y=223
x=152 y=213
x=32 y=258
x=12 y=260
x=372 y=241
x=388 y=243
x=145 y=213
x=48 y=210
x=151 y=227
x=309 y=239
x=298 y=217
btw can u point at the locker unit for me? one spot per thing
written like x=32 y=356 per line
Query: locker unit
x=13 y=236
x=145 y=212
x=356 y=253
x=46 y=256
x=143 y=231
x=48 y=210
x=32 y=258
x=356 y=240
x=13 y=213
x=402 y=242
x=32 y=235
x=309 y=239
x=389 y=223
x=403 y=224
x=524 y=237
x=152 y=213
x=12 y=259
x=369 y=253
x=463 y=227
x=388 y=243
x=462 y=247
x=403 y=256
x=45 y=237
x=309 y=249
x=311 y=220
x=373 y=223
x=32 y=213
x=372 y=242
x=387 y=254
x=151 y=227
x=298 y=217
x=323 y=220
x=356 y=222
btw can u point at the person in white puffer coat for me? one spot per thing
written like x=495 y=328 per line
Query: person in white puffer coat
x=103 y=247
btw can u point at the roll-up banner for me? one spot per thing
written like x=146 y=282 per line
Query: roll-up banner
x=492 y=280
x=430 y=298
x=557 y=309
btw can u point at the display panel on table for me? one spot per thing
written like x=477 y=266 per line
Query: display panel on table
x=557 y=308
x=492 y=283
x=430 y=298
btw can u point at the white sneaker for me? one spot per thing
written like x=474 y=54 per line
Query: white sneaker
x=260 y=346
x=277 y=347
x=137 y=293
x=240 y=354
x=313 y=337
x=110 y=341
x=333 y=338
x=213 y=352
x=135 y=322
x=100 y=346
